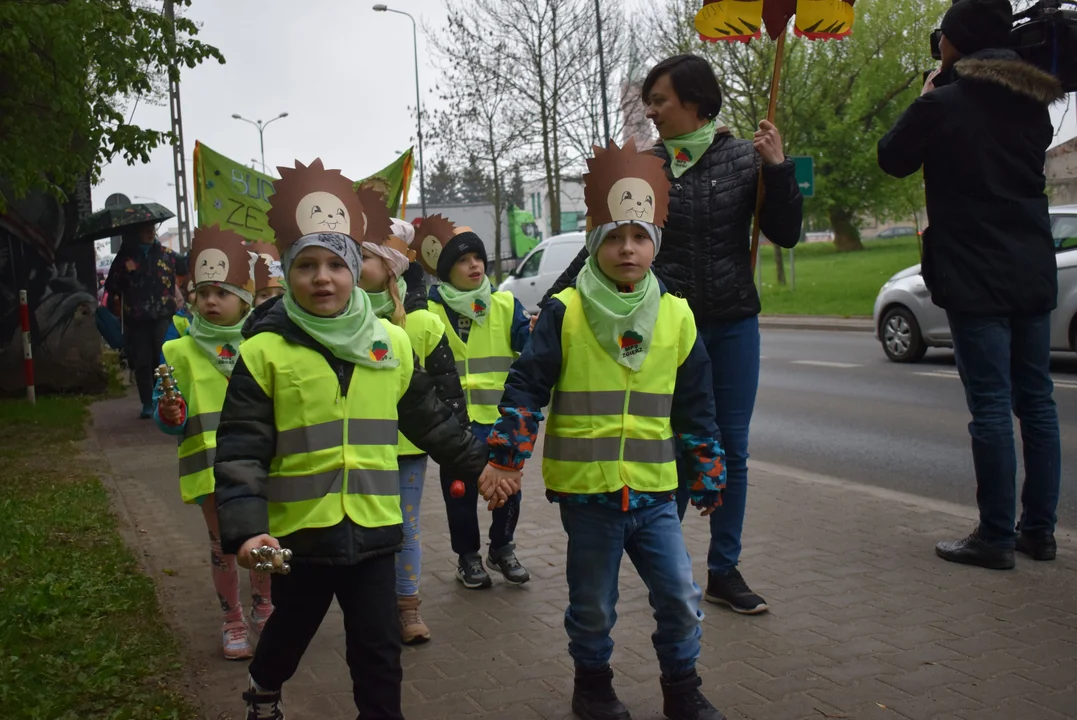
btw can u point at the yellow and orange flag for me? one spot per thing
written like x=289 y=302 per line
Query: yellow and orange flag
x=742 y=20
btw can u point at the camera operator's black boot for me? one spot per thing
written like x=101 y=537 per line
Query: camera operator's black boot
x=682 y=700
x=593 y=697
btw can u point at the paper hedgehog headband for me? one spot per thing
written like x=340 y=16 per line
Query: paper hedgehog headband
x=431 y=238
x=379 y=223
x=267 y=270
x=220 y=257
x=623 y=185
x=309 y=199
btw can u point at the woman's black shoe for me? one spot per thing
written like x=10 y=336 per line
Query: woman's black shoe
x=1039 y=546
x=974 y=551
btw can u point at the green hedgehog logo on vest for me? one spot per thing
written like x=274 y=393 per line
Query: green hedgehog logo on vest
x=378 y=351
x=478 y=307
x=631 y=343
x=226 y=351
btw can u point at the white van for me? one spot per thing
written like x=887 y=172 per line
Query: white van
x=541 y=268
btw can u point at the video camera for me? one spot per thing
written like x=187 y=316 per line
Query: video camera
x=1045 y=35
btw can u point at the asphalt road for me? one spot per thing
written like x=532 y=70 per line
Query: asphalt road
x=831 y=403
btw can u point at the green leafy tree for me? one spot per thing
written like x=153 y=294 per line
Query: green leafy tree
x=68 y=68
x=442 y=184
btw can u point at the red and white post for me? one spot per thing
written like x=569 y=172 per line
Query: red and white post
x=27 y=348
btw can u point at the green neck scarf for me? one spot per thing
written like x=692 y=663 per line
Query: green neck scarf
x=355 y=335
x=382 y=302
x=685 y=151
x=622 y=322
x=220 y=343
x=474 y=304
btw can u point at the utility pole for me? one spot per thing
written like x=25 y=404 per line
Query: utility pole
x=602 y=72
x=183 y=217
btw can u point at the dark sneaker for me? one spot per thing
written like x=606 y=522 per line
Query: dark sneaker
x=1038 y=546
x=682 y=700
x=471 y=572
x=973 y=550
x=504 y=561
x=731 y=590
x=147 y=412
x=593 y=697
x=263 y=705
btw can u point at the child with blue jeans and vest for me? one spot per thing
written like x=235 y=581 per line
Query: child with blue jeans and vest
x=202 y=361
x=487 y=330
x=307 y=447
x=631 y=387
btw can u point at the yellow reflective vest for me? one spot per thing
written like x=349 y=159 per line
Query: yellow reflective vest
x=609 y=427
x=203 y=388
x=335 y=454
x=484 y=361
x=181 y=323
x=425 y=332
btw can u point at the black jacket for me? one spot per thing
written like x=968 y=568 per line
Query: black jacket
x=246 y=443
x=982 y=140
x=706 y=243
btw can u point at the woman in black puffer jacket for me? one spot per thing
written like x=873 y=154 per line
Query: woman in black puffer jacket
x=706 y=260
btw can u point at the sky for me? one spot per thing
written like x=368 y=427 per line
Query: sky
x=342 y=72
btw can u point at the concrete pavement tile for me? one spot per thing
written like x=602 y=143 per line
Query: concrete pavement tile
x=715 y=654
x=456 y=705
x=983 y=643
x=1060 y=676
x=776 y=665
x=938 y=702
x=1064 y=702
x=923 y=654
x=552 y=708
x=1035 y=633
x=512 y=675
x=1000 y=688
x=969 y=627
x=792 y=640
x=856 y=610
x=854 y=649
x=850 y=697
x=472 y=681
x=925 y=678
x=513 y=695
x=853 y=670
x=1052 y=651
x=800 y=706
x=1018 y=709
x=781 y=687
x=853 y=630
x=990 y=664
x=733 y=672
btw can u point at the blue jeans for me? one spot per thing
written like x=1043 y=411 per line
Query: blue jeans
x=409 y=561
x=463 y=513
x=1005 y=365
x=598 y=536
x=734 y=351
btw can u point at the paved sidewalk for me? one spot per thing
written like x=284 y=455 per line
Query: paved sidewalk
x=866 y=623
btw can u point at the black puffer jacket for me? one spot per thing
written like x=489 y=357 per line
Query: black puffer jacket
x=982 y=140
x=706 y=243
x=246 y=444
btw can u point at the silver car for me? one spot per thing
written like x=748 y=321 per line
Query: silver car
x=907 y=323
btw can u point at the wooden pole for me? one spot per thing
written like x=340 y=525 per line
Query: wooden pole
x=775 y=80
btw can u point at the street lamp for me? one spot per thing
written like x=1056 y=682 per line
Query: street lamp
x=602 y=71
x=418 y=101
x=261 y=129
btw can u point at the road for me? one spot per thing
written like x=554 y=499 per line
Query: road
x=831 y=403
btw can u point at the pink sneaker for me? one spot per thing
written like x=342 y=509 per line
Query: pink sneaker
x=236 y=641
x=259 y=616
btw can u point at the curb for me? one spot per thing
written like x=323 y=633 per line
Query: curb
x=831 y=323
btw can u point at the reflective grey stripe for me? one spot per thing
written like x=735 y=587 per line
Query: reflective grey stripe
x=650 y=404
x=605 y=402
x=649 y=451
x=327 y=435
x=373 y=482
x=372 y=432
x=612 y=402
x=490 y=365
x=582 y=449
x=297 y=488
x=608 y=450
x=461 y=368
x=197 y=463
x=485 y=397
x=203 y=422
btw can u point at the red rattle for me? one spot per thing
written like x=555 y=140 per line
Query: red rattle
x=457 y=489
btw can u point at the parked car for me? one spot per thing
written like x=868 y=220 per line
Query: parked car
x=897 y=232
x=907 y=323
x=541 y=268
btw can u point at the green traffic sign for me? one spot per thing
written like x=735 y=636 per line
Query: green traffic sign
x=805 y=171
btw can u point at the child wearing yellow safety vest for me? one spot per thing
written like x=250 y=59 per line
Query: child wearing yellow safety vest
x=631 y=387
x=386 y=267
x=308 y=441
x=487 y=329
x=202 y=361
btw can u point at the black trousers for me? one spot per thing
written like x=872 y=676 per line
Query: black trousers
x=143 y=340
x=367 y=596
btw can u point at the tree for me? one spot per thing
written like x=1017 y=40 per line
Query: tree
x=475 y=185
x=516 y=189
x=442 y=185
x=66 y=68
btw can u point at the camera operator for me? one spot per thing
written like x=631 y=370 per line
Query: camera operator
x=981 y=129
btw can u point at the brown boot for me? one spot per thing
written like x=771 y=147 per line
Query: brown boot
x=412 y=628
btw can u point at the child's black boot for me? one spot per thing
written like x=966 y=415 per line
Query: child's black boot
x=593 y=697
x=682 y=699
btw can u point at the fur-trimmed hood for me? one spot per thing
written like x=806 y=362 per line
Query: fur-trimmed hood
x=1005 y=69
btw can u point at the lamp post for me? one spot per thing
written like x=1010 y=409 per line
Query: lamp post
x=418 y=101
x=602 y=72
x=261 y=129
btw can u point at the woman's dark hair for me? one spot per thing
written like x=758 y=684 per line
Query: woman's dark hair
x=692 y=79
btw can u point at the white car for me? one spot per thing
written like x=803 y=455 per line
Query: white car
x=907 y=323
x=541 y=268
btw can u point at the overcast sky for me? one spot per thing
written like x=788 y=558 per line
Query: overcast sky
x=342 y=72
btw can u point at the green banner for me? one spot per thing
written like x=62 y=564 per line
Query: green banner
x=523 y=232
x=393 y=181
x=229 y=194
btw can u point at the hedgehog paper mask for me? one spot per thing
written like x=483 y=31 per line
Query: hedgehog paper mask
x=623 y=185
x=221 y=257
x=310 y=199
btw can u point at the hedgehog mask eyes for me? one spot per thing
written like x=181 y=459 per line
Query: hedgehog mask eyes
x=631 y=199
x=322 y=212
